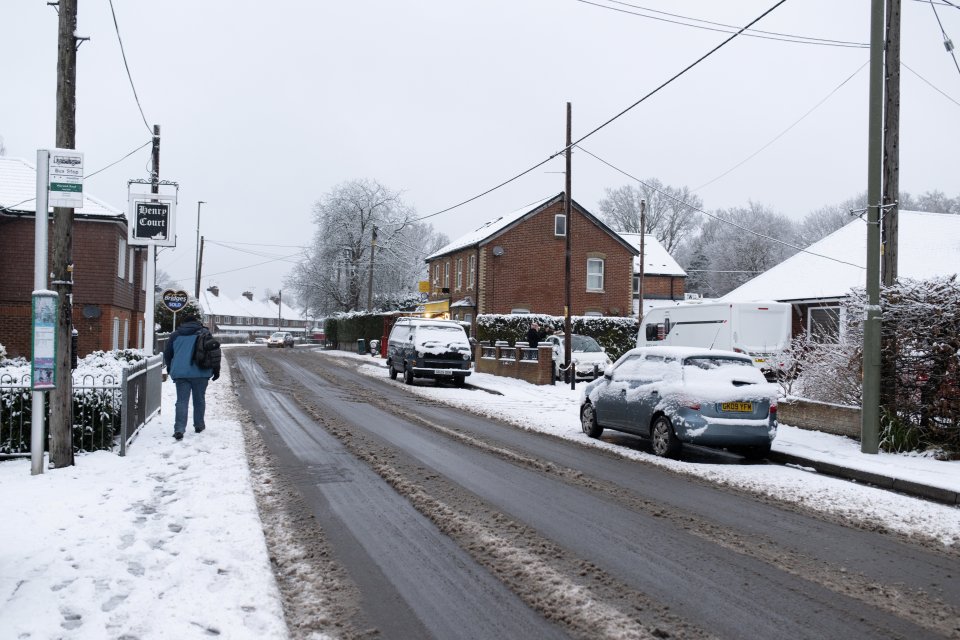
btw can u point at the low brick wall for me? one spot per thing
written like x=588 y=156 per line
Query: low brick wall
x=820 y=416
x=532 y=365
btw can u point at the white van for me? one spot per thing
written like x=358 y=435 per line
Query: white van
x=760 y=329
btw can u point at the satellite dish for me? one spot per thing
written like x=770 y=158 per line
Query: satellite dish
x=498 y=250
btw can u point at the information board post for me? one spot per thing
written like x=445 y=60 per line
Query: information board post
x=38 y=423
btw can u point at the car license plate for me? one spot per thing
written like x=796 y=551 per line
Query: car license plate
x=443 y=372
x=737 y=407
x=759 y=360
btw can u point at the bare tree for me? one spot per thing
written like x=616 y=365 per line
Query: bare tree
x=672 y=213
x=734 y=255
x=336 y=272
x=825 y=220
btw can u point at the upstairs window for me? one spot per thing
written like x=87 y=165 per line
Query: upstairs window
x=560 y=225
x=446 y=275
x=459 y=274
x=471 y=272
x=594 y=274
x=122 y=260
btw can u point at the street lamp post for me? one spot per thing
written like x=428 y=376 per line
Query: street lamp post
x=196 y=261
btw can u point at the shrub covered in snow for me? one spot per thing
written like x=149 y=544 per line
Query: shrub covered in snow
x=615 y=334
x=920 y=335
x=96 y=404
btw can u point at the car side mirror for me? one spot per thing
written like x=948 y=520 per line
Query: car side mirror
x=608 y=372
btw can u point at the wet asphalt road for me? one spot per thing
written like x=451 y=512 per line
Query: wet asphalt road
x=728 y=564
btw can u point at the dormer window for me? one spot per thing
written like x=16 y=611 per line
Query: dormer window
x=560 y=225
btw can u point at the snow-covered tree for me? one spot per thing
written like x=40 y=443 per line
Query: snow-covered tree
x=335 y=275
x=736 y=255
x=671 y=215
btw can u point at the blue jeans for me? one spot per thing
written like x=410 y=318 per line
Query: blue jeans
x=186 y=387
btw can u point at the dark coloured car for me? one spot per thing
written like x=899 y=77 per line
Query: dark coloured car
x=675 y=395
x=426 y=348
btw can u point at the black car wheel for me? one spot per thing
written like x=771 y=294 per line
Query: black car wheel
x=663 y=441
x=391 y=370
x=459 y=380
x=408 y=375
x=588 y=421
x=758 y=452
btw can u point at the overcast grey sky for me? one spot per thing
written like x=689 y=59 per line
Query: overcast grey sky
x=264 y=106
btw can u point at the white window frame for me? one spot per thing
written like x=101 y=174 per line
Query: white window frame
x=140 y=333
x=115 y=342
x=143 y=275
x=560 y=225
x=446 y=275
x=126 y=333
x=471 y=272
x=133 y=262
x=459 y=274
x=598 y=286
x=436 y=274
x=122 y=260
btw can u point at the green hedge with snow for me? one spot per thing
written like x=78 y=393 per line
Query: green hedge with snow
x=615 y=334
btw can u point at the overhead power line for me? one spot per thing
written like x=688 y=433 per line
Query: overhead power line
x=947 y=43
x=127 y=67
x=90 y=175
x=608 y=122
x=714 y=216
x=784 y=132
x=931 y=85
x=719 y=27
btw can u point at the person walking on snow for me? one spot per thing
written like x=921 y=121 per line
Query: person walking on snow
x=189 y=378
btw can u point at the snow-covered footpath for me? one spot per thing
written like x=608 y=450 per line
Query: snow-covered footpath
x=163 y=543
x=167 y=542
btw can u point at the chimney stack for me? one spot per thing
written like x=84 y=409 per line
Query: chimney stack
x=215 y=290
x=248 y=295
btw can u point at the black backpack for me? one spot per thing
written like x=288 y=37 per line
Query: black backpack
x=206 y=350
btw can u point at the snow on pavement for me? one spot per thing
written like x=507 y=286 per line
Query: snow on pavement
x=163 y=543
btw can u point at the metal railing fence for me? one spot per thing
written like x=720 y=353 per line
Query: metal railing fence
x=107 y=414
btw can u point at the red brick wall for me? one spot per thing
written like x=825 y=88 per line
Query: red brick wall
x=96 y=283
x=664 y=287
x=508 y=364
x=530 y=272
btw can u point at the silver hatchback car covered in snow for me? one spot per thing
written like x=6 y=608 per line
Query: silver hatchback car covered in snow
x=682 y=394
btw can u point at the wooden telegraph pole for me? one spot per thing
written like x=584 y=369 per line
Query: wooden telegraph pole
x=891 y=188
x=61 y=397
x=567 y=210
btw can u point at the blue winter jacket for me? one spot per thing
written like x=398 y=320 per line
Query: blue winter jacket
x=178 y=354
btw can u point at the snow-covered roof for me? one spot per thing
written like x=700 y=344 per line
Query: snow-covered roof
x=224 y=305
x=498 y=225
x=490 y=228
x=18 y=191
x=655 y=257
x=929 y=245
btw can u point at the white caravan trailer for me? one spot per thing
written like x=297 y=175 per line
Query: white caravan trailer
x=759 y=329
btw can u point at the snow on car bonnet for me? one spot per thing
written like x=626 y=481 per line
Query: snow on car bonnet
x=439 y=339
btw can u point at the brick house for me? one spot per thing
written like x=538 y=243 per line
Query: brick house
x=108 y=295
x=664 y=280
x=515 y=264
